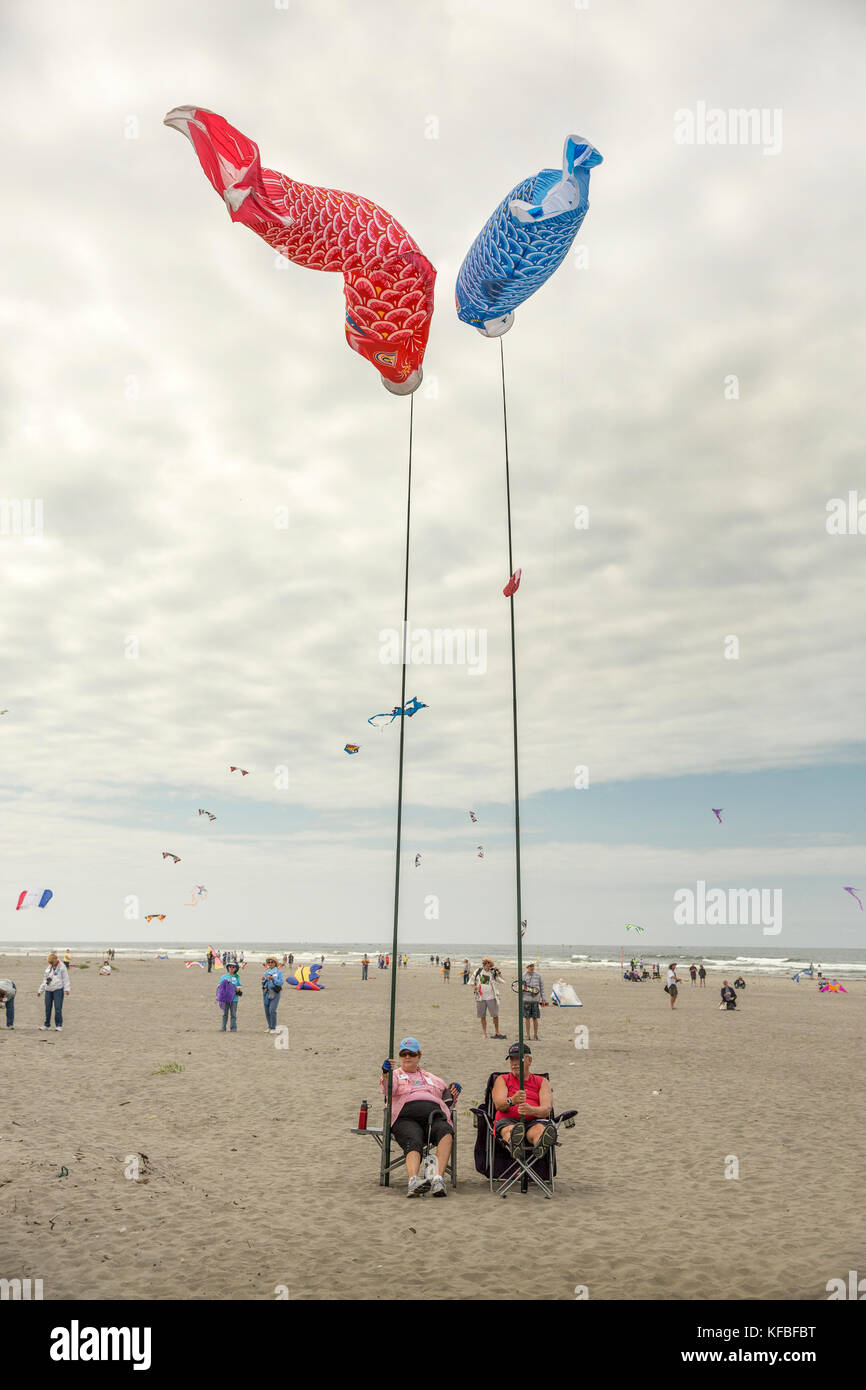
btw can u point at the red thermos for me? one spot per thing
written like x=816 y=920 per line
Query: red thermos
x=362 y=1115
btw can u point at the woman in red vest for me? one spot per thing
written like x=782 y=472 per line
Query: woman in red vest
x=521 y=1114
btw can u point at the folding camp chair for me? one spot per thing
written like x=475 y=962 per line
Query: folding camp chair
x=494 y=1159
x=387 y=1165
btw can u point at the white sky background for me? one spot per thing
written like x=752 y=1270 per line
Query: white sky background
x=259 y=646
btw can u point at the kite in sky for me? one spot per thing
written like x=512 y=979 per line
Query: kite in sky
x=417 y=861
x=473 y=817
x=33 y=897
x=198 y=892
x=834 y=988
x=411 y=707
x=209 y=815
x=524 y=240
x=513 y=584
x=630 y=926
x=523 y=927
x=352 y=747
x=387 y=281
x=717 y=813
x=480 y=851
x=241 y=770
x=166 y=854
x=155 y=917
x=854 y=892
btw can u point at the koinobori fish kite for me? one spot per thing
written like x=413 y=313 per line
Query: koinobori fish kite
x=411 y=707
x=155 y=917
x=209 y=815
x=166 y=854
x=33 y=897
x=524 y=240
x=241 y=770
x=854 y=892
x=388 y=282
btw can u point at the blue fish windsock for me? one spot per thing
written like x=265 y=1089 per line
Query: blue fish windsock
x=526 y=238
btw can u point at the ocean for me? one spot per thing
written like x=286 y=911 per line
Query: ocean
x=837 y=962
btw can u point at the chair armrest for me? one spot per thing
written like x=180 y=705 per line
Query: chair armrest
x=565 y=1115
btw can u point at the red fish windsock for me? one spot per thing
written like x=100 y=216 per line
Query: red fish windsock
x=388 y=282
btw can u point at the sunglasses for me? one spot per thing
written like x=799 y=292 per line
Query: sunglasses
x=410 y=1054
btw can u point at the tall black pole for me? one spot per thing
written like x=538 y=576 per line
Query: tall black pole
x=386 y=1137
x=514 y=727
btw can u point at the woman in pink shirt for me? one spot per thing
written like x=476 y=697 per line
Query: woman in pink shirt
x=416 y=1096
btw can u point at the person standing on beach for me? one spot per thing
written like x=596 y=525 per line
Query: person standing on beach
x=446 y=970
x=533 y=999
x=7 y=998
x=272 y=987
x=209 y=960
x=67 y=957
x=672 y=983
x=702 y=976
x=693 y=971
x=365 y=965
x=228 y=993
x=484 y=987
x=466 y=972
x=55 y=985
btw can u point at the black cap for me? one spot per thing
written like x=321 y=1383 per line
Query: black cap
x=514 y=1050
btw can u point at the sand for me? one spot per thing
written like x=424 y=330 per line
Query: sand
x=253 y=1179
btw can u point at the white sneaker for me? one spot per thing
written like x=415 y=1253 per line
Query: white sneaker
x=43 y=1028
x=416 y=1187
x=59 y=1030
x=439 y=1189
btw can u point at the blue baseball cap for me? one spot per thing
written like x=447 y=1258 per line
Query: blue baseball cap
x=409 y=1045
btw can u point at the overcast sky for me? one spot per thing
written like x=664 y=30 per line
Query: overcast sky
x=166 y=388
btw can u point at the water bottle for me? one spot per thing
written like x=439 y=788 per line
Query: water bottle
x=362 y=1115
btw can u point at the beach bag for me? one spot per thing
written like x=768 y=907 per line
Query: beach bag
x=667 y=989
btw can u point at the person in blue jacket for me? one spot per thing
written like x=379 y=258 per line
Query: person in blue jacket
x=272 y=984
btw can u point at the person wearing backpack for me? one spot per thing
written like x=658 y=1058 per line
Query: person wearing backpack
x=228 y=993
x=272 y=985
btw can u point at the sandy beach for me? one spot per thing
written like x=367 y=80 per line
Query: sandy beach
x=252 y=1180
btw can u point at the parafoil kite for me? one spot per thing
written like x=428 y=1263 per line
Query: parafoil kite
x=241 y=770
x=155 y=917
x=387 y=281
x=513 y=584
x=833 y=987
x=307 y=977
x=523 y=242
x=353 y=748
x=166 y=854
x=209 y=815
x=33 y=897
x=411 y=707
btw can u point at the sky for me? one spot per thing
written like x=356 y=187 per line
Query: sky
x=217 y=483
